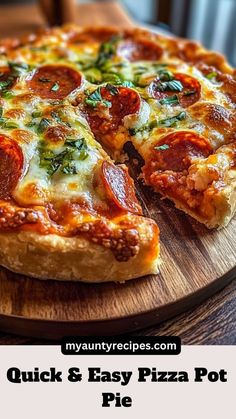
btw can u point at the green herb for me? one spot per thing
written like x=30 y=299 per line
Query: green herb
x=80 y=146
x=64 y=161
x=162 y=147
x=4 y=84
x=112 y=89
x=18 y=68
x=211 y=75
x=69 y=168
x=43 y=125
x=55 y=87
x=165 y=74
x=1 y=111
x=95 y=98
x=8 y=124
x=36 y=114
x=50 y=161
x=93 y=75
x=106 y=51
x=112 y=78
x=7 y=94
x=174 y=85
x=56 y=116
x=170 y=100
x=169 y=122
x=127 y=83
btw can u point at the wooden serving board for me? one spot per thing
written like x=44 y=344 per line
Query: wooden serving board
x=196 y=262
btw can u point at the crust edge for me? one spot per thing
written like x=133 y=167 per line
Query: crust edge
x=74 y=259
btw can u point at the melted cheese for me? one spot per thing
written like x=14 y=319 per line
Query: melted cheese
x=36 y=187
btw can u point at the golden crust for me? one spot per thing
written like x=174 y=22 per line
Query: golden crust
x=75 y=258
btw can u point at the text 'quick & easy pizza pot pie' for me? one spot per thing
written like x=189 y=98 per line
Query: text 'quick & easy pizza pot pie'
x=70 y=99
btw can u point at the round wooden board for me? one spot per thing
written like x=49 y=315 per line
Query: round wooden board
x=196 y=262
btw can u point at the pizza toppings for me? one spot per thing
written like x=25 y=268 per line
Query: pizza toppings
x=178 y=89
x=11 y=165
x=176 y=151
x=7 y=79
x=139 y=50
x=119 y=187
x=54 y=81
x=63 y=161
x=119 y=101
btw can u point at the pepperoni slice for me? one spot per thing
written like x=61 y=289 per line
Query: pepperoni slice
x=176 y=152
x=54 y=81
x=137 y=50
x=190 y=93
x=11 y=165
x=7 y=80
x=120 y=187
x=93 y=35
x=124 y=101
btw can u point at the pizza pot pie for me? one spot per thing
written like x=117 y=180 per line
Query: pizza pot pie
x=70 y=99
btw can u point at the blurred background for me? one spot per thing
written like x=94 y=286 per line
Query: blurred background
x=212 y=22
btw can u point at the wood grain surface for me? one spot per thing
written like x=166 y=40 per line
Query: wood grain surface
x=195 y=263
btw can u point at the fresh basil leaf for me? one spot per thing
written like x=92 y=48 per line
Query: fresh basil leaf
x=174 y=85
x=127 y=83
x=112 y=89
x=212 y=75
x=43 y=125
x=93 y=75
x=4 y=84
x=9 y=124
x=95 y=98
x=55 y=87
x=7 y=94
x=170 y=100
x=36 y=114
x=169 y=122
x=18 y=68
x=162 y=147
x=106 y=51
x=165 y=75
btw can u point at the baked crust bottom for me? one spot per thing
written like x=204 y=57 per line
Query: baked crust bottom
x=75 y=258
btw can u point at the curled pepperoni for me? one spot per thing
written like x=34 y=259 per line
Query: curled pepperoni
x=120 y=187
x=124 y=101
x=176 y=151
x=11 y=165
x=54 y=81
x=7 y=79
x=189 y=94
x=136 y=50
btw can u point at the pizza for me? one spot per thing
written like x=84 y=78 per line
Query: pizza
x=70 y=100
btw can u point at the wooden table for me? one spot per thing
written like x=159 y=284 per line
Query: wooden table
x=214 y=321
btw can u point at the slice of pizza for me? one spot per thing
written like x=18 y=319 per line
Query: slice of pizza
x=67 y=212
x=176 y=103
